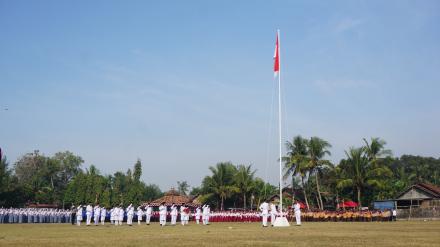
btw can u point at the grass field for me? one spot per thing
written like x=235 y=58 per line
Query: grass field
x=403 y=233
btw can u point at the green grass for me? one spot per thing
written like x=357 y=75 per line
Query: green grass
x=402 y=233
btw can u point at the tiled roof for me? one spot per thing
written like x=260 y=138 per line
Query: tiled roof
x=429 y=189
x=173 y=197
x=435 y=190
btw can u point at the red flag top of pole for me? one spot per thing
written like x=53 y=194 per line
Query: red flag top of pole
x=276 y=57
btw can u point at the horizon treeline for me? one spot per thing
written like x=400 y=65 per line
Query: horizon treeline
x=367 y=173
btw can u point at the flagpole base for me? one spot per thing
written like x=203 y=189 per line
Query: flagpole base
x=281 y=222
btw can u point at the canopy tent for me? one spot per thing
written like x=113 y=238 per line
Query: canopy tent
x=348 y=204
x=302 y=205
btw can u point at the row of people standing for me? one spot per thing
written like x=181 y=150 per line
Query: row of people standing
x=34 y=215
x=202 y=213
x=117 y=214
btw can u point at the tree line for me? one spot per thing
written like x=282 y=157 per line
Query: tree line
x=367 y=173
x=61 y=180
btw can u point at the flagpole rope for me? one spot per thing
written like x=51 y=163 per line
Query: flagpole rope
x=269 y=139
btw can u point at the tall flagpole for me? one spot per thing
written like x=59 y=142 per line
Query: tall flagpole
x=280 y=221
x=279 y=116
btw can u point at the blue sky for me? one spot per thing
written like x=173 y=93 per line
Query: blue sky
x=183 y=85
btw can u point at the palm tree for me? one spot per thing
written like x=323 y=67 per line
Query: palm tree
x=359 y=173
x=244 y=180
x=182 y=187
x=296 y=162
x=376 y=149
x=317 y=150
x=220 y=183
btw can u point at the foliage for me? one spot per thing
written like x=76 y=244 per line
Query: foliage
x=367 y=173
x=182 y=187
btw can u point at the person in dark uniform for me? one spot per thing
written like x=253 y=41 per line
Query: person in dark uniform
x=73 y=214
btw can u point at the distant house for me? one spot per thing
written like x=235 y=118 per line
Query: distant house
x=173 y=197
x=422 y=195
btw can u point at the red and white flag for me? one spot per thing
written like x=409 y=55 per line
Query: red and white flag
x=276 y=57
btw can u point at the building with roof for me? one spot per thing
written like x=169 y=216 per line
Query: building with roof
x=174 y=197
x=421 y=195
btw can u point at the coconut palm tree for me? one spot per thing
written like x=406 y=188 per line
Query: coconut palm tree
x=376 y=149
x=296 y=162
x=359 y=173
x=221 y=183
x=317 y=150
x=244 y=181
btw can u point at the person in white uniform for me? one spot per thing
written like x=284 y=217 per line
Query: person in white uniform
x=205 y=214
x=103 y=215
x=208 y=214
x=79 y=215
x=273 y=213
x=264 y=208
x=183 y=214
x=162 y=214
x=89 y=212
x=297 y=211
x=130 y=214
x=121 y=215
x=198 y=214
x=148 y=212
x=96 y=214
x=139 y=214
x=116 y=212
x=112 y=216
x=173 y=213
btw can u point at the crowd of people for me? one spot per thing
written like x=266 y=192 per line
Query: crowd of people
x=117 y=215
x=34 y=215
x=97 y=215
x=349 y=215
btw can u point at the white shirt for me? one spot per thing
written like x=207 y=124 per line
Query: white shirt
x=103 y=212
x=273 y=209
x=130 y=210
x=173 y=210
x=264 y=207
x=148 y=210
x=162 y=210
x=97 y=211
x=89 y=209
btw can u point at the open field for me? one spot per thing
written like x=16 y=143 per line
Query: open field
x=401 y=233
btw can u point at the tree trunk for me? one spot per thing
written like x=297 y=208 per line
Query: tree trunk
x=305 y=193
x=337 y=199
x=359 y=196
x=244 y=200
x=221 y=205
x=319 y=192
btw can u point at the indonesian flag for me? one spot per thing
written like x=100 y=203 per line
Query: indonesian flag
x=276 y=57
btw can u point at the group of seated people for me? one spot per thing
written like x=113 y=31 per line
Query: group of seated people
x=344 y=216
